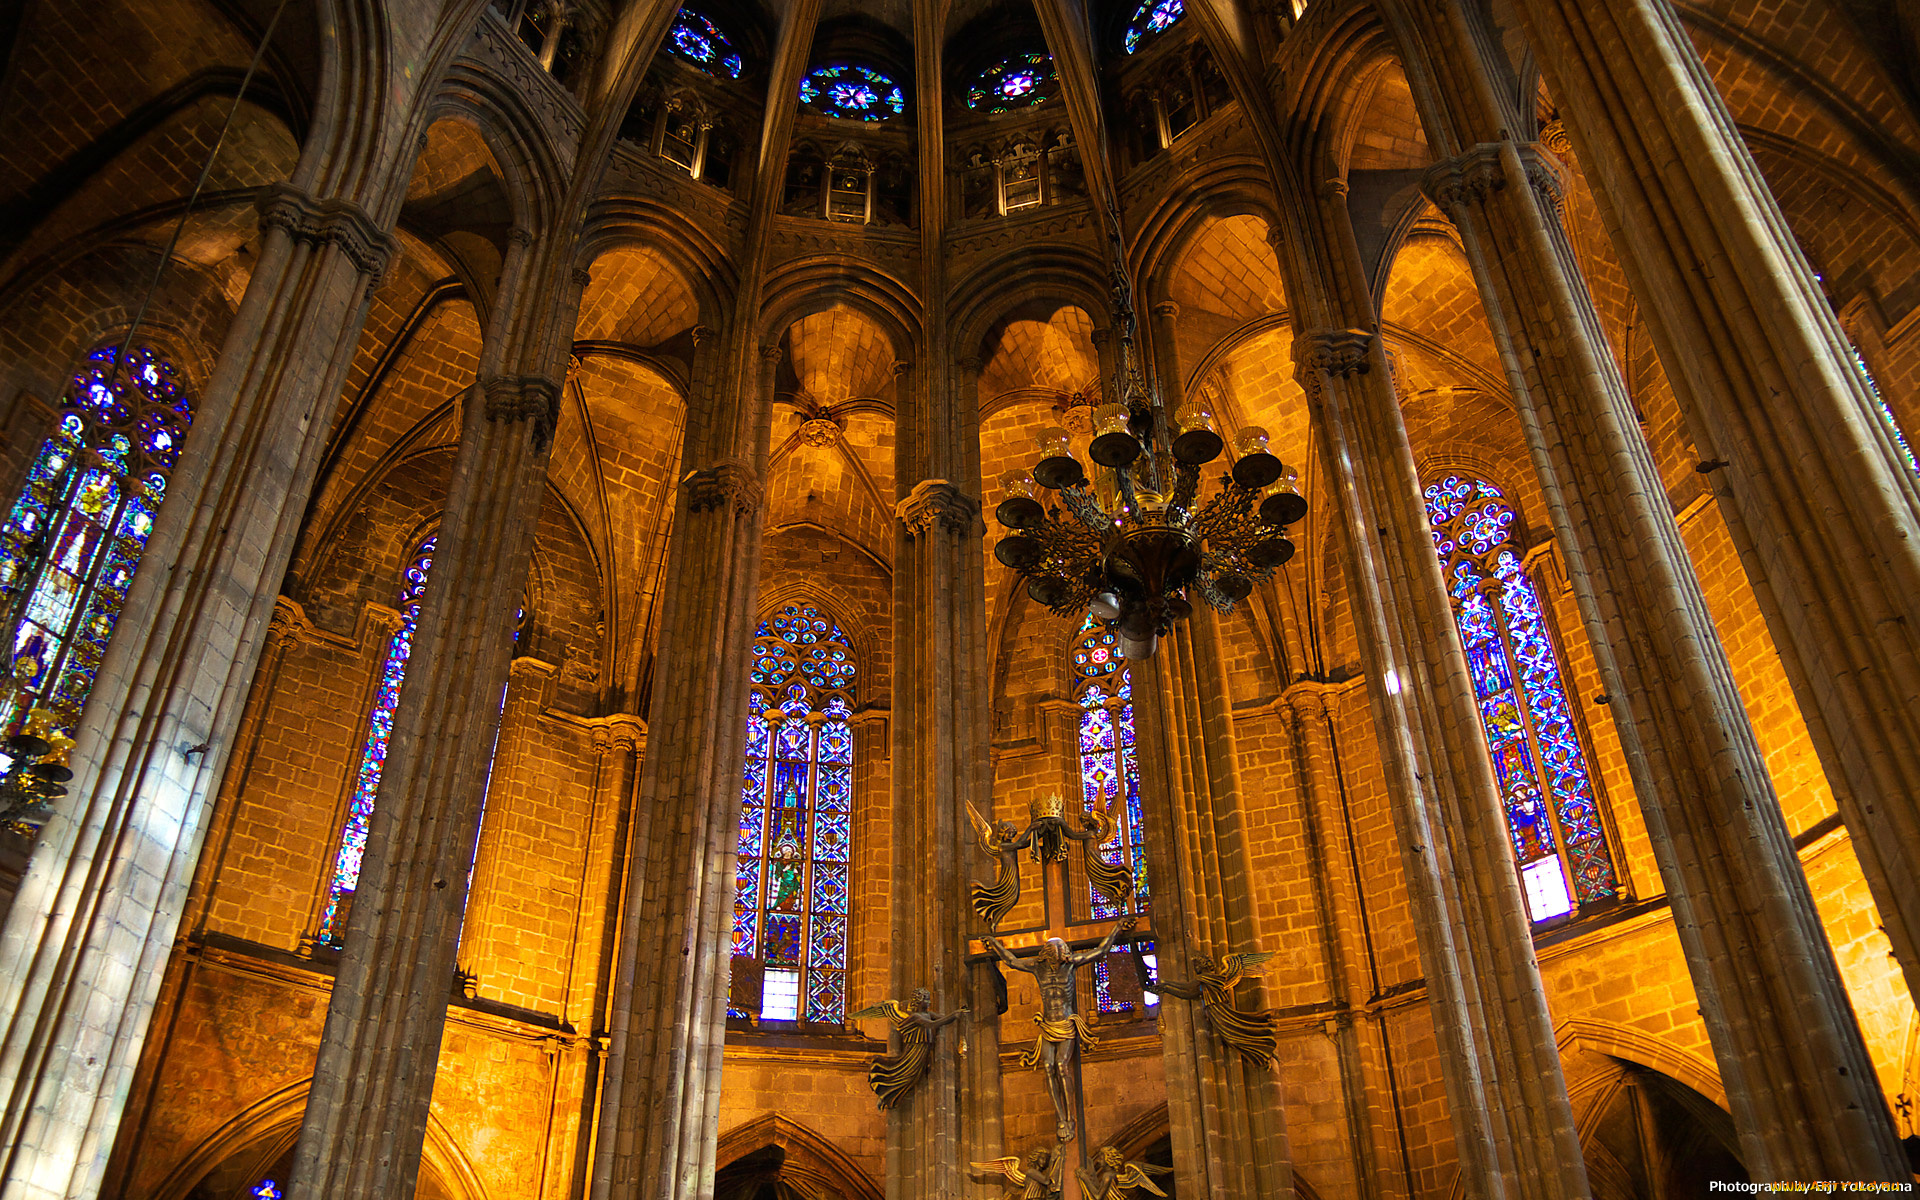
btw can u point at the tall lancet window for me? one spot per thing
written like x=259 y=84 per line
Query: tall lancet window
x=796 y=814
x=1109 y=775
x=69 y=547
x=1553 y=817
x=373 y=758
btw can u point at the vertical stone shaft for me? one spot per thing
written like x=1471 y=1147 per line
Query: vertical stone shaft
x=1229 y=1128
x=939 y=759
x=1824 y=511
x=1513 y=1125
x=86 y=940
x=1802 y=1088
x=659 y=1118
x=366 y=1116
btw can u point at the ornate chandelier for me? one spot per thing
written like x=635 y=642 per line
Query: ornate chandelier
x=1133 y=540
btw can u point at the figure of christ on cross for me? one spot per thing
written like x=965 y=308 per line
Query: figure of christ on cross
x=1062 y=1028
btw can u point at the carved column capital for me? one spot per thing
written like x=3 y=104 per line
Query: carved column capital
x=1331 y=189
x=937 y=503
x=533 y=398
x=700 y=333
x=1339 y=353
x=328 y=222
x=972 y=364
x=288 y=626
x=1166 y=308
x=901 y=367
x=582 y=277
x=1470 y=178
x=519 y=236
x=728 y=484
x=771 y=352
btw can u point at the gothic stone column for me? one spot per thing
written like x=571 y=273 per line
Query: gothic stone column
x=1824 y=511
x=1513 y=1124
x=1228 y=1123
x=1803 y=1090
x=86 y=941
x=659 y=1118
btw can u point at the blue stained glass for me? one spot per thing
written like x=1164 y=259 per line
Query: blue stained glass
x=695 y=38
x=77 y=530
x=266 y=1189
x=1886 y=410
x=1017 y=82
x=1109 y=769
x=373 y=757
x=853 y=92
x=793 y=879
x=1545 y=785
x=1153 y=16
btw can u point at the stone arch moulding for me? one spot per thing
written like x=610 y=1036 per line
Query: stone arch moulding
x=1631 y=1045
x=1137 y=1136
x=278 y=1114
x=799 y=289
x=802 y=1145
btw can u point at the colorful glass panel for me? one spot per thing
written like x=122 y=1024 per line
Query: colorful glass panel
x=853 y=92
x=1546 y=788
x=1153 y=16
x=695 y=38
x=1109 y=771
x=1886 y=411
x=1018 y=82
x=373 y=758
x=75 y=535
x=792 y=879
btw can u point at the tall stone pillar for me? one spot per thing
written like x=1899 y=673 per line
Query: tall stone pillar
x=940 y=765
x=660 y=1118
x=85 y=944
x=366 y=1115
x=1227 y=1118
x=1513 y=1125
x=1801 y=1085
x=1824 y=511
x=527 y=688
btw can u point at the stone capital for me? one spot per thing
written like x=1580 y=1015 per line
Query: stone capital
x=937 y=503
x=1472 y=177
x=289 y=625
x=728 y=484
x=519 y=236
x=771 y=352
x=1339 y=353
x=532 y=398
x=623 y=732
x=328 y=223
x=1166 y=308
x=581 y=278
x=901 y=367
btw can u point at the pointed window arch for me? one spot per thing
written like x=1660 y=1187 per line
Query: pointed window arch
x=1546 y=787
x=1110 y=774
x=791 y=903
x=373 y=756
x=75 y=535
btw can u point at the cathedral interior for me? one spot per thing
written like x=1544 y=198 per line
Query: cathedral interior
x=1338 y=581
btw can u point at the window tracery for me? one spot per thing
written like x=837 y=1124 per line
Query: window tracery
x=1022 y=81
x=695 y=38
x=70 y=546
x=1152 y=17
x=852 y=92
x=1546 y=789
x=791 y=899
x=373 y=755
x=1110 y=775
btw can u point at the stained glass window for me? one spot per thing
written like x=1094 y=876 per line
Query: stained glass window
x=1018 y=82
x=1886 y=410
x=856 y=93
x=266 y=1189
x=1110 y=774
x=1546 y=788
x=1153 y=16
x=796 y=813
x=698 y=40
x=373 y=759
x=69 y=547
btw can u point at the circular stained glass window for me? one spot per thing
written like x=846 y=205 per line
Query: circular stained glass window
x=853 y=93
x=1018 y=82
x=1153 y=16
x=698 y=40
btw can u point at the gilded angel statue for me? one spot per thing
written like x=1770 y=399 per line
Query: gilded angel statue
x=1113 y=1176
x=1039 y=1179
x=1112 y=880
x=895 y=1074
x=1250 y=1034
x=1002 y=840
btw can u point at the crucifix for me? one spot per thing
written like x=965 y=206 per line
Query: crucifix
x=1047 y=954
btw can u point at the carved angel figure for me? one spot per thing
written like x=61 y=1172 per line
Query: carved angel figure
x=1113 y=1176
x=895 y=1074
x=1250 y=1034
x=1002 y=840
x=1113 y=880
x=1040 y=1179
